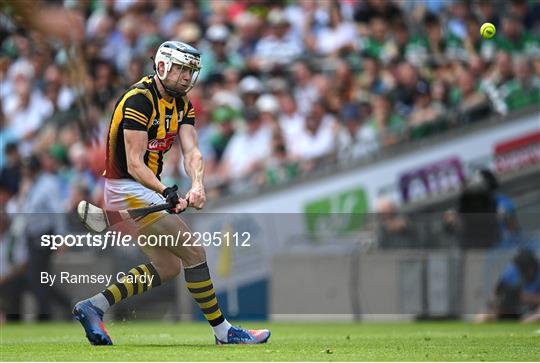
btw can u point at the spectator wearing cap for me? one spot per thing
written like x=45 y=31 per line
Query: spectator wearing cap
x=278 y=166
x=355 y=141
x=248 y=149
x=188 y=32
x=250 y=89
x=217 y=58
x=279 y=47
x=228 y=95
x=268 y=106
x=223 y=121
x=55 y=162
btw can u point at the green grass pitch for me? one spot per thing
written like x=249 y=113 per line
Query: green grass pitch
x=164 y=341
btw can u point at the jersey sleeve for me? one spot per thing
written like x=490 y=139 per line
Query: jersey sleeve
x=189 y=116
x=137 y=112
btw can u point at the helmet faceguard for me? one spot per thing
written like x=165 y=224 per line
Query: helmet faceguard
x=174 y=52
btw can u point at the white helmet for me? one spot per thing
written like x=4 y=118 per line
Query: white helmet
x=178 y=53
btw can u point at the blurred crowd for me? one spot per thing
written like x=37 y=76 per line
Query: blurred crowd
x=286 y=88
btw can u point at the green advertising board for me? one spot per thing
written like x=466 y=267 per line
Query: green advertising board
x=341 y=213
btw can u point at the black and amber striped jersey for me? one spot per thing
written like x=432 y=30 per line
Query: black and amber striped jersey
x=142 y=108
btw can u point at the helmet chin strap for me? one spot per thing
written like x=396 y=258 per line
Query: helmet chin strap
x=169 y=91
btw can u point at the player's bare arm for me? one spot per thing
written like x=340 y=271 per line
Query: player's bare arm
x=194 y=166
x=136 y=142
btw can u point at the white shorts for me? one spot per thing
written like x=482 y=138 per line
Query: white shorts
x=127 y=194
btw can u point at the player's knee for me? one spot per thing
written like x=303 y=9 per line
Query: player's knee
x=194 y=256
x=200 y=254
x=169 y=270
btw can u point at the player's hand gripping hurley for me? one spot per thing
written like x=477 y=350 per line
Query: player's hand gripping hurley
x=98 y=220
